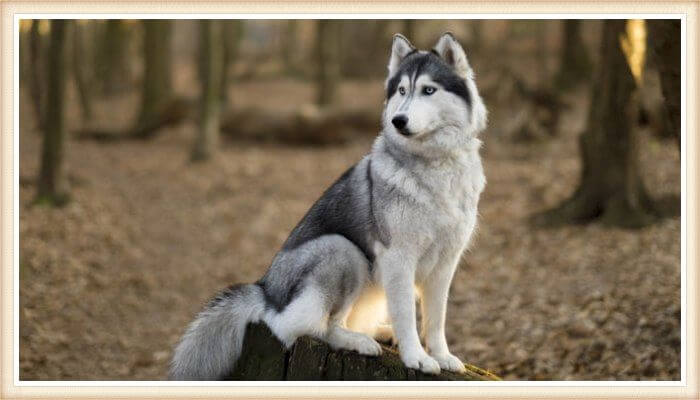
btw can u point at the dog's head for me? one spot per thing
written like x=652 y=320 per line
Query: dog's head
x=431 y=97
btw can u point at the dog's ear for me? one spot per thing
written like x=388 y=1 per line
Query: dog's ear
x=453 y=54
x=400 y=48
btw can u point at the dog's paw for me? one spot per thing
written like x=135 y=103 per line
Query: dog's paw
x=449 y=362
x=420 y=360
x=367 y=346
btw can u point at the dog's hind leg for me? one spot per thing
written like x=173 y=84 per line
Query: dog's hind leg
x=337 y=272
x=339 y=337
x=306 y=315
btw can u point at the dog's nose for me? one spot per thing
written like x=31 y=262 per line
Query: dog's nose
x=400 y=121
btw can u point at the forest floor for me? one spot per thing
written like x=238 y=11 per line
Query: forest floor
x=109 y=282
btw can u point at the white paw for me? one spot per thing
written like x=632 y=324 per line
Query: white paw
x=420 y=360
x=367 y=346
x=449 y=362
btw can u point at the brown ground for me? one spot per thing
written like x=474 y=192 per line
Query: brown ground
x=108 y=283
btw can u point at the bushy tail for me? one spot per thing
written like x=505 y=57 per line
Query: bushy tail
x=213 y=341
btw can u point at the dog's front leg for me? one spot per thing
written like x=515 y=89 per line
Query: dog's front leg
x=435 y=290
x=398 y=278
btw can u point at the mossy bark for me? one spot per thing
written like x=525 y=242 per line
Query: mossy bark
x=611 y=187
x=264 y=358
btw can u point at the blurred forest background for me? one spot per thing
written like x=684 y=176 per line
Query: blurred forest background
x=162 y=160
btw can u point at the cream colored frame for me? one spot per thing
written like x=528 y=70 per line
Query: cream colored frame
x=12 y=388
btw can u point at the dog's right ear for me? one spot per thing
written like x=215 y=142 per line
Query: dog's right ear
x=453 y=54
x=400 y=48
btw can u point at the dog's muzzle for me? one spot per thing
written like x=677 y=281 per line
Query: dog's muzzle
x=400 y=122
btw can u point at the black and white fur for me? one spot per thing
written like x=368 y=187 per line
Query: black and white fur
x=392 y=227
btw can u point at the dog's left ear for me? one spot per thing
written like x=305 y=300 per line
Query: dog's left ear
x=400 y=48
x=453 y=54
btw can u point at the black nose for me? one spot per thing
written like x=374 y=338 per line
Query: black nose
x=400 y=121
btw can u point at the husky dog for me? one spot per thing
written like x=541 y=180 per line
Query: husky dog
x=392 y=227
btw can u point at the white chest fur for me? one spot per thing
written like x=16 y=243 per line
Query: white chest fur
x=434 y=211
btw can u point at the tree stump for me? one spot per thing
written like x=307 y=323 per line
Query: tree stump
x=264 y=358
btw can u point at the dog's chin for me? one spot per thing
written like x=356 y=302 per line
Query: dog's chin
x=411 y=134
x=434 y=141
x=407 y=133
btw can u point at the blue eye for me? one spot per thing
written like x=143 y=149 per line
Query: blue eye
x=402 y=91
x=428 y=90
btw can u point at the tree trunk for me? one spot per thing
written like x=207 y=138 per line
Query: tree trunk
x=211 y=59
x=265 y=359
x=290 y=47
x=52 y=184
x=611 y=187
x=327 y=52
x=36 y=81
x=575 y=65
x=112 y=63
x=82 y=81
x=157 y=94
x=381 y=43
x=665 y=44
x=232 y=35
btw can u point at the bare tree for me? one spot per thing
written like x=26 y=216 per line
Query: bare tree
x=381 y=40
x=611 y=186
x=36 y=81
x=232 y=36
x=159 y=107
x=575 y=64
x=52 y=187
x=327 y=52
x=80 y=72
x=364 y=46
x=112 y=57
x=211 y=59
x=157 y=93
x=665 y=45
x=290 y=45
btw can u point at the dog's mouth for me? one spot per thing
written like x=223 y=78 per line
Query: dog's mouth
x=405 y=132
x=419 y=136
